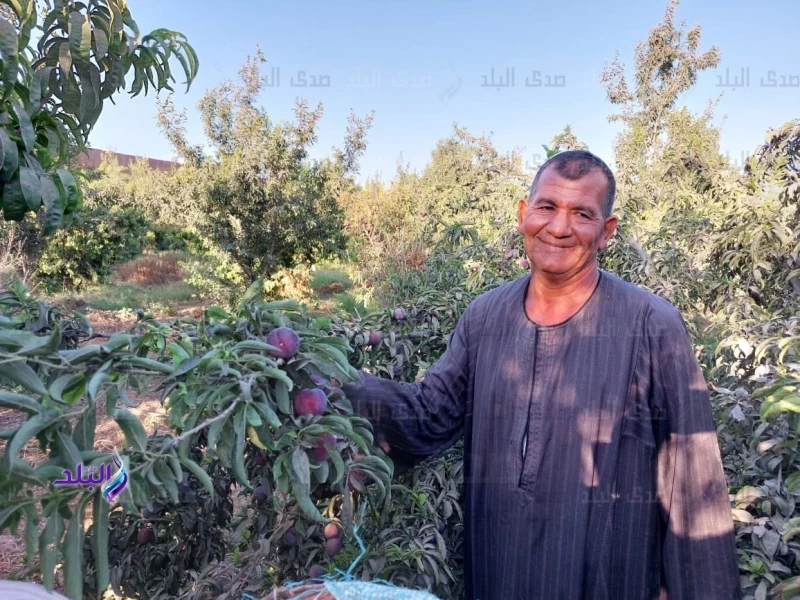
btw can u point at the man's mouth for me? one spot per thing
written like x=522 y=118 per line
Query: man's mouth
x=555 y=245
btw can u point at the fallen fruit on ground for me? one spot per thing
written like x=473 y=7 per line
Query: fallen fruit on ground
x=332 y=530
x=333 y=546
x=310 y=402
x=290 y=536
x=259 y=495
x=145 y=535
x=316 y=571
x=286 y=340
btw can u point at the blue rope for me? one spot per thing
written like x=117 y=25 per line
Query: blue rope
x=343 y=576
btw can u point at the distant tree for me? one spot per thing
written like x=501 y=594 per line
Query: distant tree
x=266 y=203
x=53 y=92
x=566 y=140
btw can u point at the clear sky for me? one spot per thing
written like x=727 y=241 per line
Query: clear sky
x=423 y=65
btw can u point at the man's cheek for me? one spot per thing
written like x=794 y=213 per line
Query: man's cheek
x=529 y=227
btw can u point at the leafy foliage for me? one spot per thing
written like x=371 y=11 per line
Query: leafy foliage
x=53 y=92
x=84 y=254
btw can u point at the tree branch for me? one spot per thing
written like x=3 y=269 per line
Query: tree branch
x=223 y=415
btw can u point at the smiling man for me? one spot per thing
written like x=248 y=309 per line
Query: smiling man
x=592 y=468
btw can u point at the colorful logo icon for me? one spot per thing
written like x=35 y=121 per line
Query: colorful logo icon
x=116 y=485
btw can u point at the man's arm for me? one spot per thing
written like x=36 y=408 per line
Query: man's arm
x=699 y=556
x=426 y=417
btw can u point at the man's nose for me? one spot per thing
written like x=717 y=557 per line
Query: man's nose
x=559 y=225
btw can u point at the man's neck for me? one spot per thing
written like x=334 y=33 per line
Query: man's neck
x=551 y=301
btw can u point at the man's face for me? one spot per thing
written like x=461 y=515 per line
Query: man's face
x=563 y=224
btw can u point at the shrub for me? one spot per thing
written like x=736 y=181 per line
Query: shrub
x=85 y=253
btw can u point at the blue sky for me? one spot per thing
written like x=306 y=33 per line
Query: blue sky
x=423 y=65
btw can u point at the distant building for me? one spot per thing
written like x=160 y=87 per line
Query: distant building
x=92 y=158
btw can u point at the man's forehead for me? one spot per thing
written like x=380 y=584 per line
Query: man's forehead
x=554 y=187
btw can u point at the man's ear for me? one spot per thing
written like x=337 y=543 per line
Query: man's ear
x=521 y=210
x=609 y=227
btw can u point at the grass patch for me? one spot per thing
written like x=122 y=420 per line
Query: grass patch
x=326 y=282
x=157 y=298
x=348 y=304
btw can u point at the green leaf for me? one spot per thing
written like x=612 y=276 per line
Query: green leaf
x=266 y=410
x=31 y=531
x=20 y=402
x=31 y=188
x=54 y=204
x=282 y=396
x=73 y=191
x=49 y=542
x=238 y=459
x=301 y=467
x=252 y=417
x=301 y=496
x=95 y=382
x=42 y=344
x=280 y=376
x=80 y=36
x=132 y=428
x=198 y=472
x=100 y=527
x=40 y=84
x=25 y=128
x=256 y=290
x=64 y=59
x=83 y=434
x=338 y=465
x=14 y=205
x=73 y=552
x=19 y=372
x=67 y=448
x=101 y=43
x=254 y=345
x=9 y=157
x=151 y=365
x=9 y=51
x=6 y=514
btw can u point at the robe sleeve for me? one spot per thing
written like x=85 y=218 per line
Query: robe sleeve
x=699 y=558
x=423 y=418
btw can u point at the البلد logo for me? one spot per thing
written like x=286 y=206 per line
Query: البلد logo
x=115 y=486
